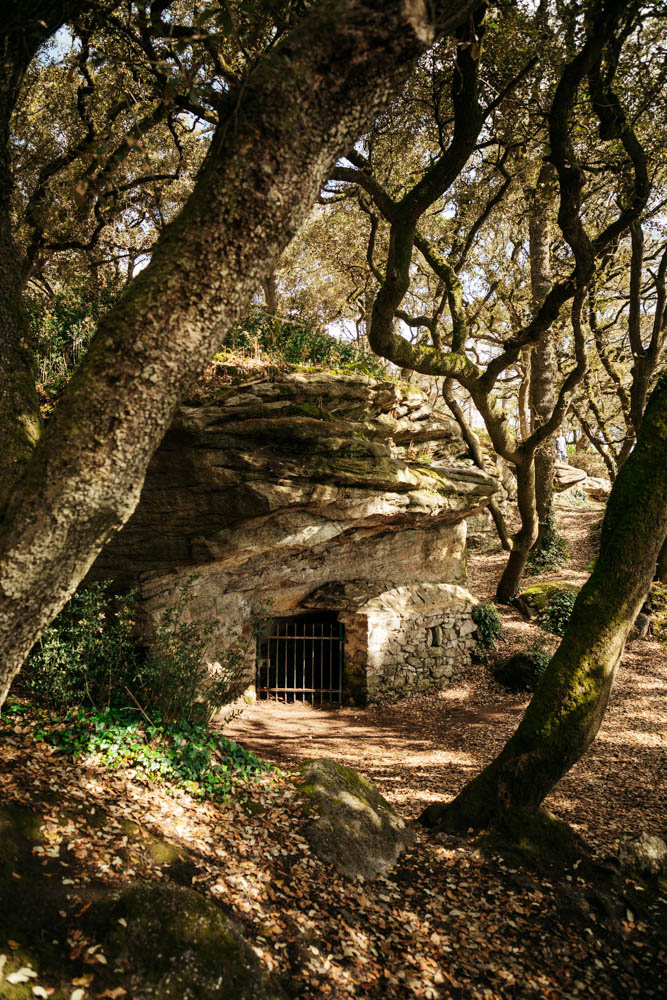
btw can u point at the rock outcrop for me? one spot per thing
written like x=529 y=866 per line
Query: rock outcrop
x=276 y=488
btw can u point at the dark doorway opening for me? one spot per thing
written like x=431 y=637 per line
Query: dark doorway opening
x=301 y=659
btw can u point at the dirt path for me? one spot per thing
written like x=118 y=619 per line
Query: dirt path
x=425 y=748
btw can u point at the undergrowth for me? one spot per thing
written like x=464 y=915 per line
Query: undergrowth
x=181 y=754
x=552 y=553
x=89 y=657
x=489 y=628
x=556 y=615
x=297 y=342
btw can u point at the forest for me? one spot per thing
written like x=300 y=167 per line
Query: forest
x=332 y=342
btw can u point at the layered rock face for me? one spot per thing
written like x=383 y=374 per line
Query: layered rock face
x=276 y=488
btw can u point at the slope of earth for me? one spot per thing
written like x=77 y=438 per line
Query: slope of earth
x=446 y=922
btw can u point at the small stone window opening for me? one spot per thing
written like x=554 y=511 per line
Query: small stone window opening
x=435 y=635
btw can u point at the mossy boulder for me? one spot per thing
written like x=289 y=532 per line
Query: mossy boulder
x=520 y=672
x=178 y=946
x=533 y=600
x=159 y=940
x=352 y=826
x=645 y=855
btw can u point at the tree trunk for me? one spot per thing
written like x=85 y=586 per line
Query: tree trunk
x=270 y=289
x=661 y=570
x=474 y=447
x=263 y=173
x=565 y=713
x=524 y=539
x=543 y=372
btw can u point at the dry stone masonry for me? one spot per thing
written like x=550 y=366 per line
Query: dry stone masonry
x=313 y=491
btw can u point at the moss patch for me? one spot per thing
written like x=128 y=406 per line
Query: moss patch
x=177 y=944
x=534 y=599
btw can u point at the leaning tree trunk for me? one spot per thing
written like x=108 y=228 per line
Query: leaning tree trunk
x=565 y=713
x=262 y=174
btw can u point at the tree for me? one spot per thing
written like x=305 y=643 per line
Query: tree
x=65 y=492
x=432 y=228
x=566 y=710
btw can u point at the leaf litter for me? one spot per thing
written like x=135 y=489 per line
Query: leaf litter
x=447 y=921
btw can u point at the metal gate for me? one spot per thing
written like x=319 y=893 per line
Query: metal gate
x=301 y=659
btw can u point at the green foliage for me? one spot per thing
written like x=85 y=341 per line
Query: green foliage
x=296 y=342
x=552 y=553
x=189 y=756
x=577 y=498
x=541 y=659
x=556 y=615
x=175 y=680
x=88 y=654
x=489 y=627
x=522 y=671
x=63 y=326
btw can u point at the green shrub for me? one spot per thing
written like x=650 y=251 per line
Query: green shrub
x=63 y=326
x=556 y=614
x=552 y=553
x=88 y=654
x=489 y=627
x=522 y=671
x=188 y=756
x=541 y=659
x=175 y=681
x=300 y=343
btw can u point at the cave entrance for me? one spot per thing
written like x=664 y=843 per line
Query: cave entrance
x=301 y=659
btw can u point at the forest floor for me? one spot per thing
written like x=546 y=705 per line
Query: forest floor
x=448 y=920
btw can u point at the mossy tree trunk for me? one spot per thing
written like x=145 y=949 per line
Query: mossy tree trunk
x=566 y=711
x=304 y=104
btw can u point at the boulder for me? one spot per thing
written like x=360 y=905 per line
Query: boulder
x=645 y=854
x=520 y=672
x=566 y=476
x=533 y=600
x=596 y=488
x=351 y=825
x=177 y=945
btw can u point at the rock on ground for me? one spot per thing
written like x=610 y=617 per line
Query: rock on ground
x=355 y=829
x=645 y=854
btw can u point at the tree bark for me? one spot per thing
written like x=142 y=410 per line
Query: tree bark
x=565 y=713
x=523 y=539
x=543 y=372
x=335 y=71
x=661 y=569
x=472 y=441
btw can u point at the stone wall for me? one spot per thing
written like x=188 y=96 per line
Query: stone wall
x=403 y=641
